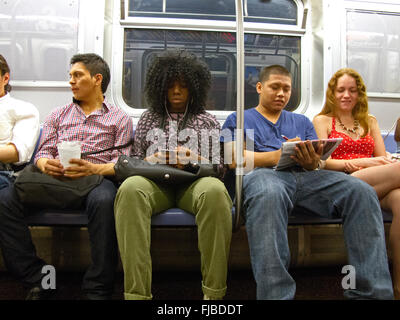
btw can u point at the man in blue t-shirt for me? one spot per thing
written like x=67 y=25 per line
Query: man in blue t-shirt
x=269 y=196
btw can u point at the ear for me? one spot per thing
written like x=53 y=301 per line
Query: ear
x=98 y=79
x=258 y=87
x=6 y=78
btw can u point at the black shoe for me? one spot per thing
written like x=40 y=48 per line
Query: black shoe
x=38 y=293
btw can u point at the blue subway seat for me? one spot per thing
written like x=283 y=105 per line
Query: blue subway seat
x=176 y=217
x=77 y=218
x=299 y=217
x=390 y=143
x=173 y=217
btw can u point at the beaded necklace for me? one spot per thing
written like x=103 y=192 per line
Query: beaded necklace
x=349 y=130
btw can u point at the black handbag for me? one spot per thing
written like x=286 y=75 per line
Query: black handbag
x=35 y=188
x=162 y=173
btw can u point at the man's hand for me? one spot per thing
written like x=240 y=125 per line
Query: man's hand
x=52 y=167
x=306 y=156
x=82 y=168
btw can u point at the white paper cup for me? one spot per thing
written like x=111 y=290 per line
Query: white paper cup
x=67 y=151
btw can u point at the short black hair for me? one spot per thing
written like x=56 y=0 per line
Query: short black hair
x=4 y=68
x=177 y=65
x=95 y=64
x=273 y=69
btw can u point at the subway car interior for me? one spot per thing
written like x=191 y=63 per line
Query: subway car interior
x=310 y=38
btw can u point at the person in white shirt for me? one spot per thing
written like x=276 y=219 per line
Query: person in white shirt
x=19 y=128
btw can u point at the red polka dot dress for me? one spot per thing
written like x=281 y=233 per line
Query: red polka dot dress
x=350 y=148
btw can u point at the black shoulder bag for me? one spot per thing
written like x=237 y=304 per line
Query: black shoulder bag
x=35 y=188
x=162 y=173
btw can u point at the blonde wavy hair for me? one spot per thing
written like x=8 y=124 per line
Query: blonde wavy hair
x=360 y=111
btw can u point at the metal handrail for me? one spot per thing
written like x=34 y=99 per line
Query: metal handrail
x=239 y=113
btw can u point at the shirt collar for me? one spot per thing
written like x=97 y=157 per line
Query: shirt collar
x=106 y=106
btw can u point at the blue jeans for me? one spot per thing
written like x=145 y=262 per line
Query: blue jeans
x=6 y=178
x=269 y=196
x=19 y=251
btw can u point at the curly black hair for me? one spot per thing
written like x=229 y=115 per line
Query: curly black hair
x=177 y=65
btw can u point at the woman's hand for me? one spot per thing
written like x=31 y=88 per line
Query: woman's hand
x=357 y=164
x=161 y=157
x=177 y=158
x=350 y=167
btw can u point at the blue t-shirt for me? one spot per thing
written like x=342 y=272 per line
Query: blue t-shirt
x=267 y=135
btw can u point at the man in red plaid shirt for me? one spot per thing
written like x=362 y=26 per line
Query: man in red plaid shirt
x=98 y=125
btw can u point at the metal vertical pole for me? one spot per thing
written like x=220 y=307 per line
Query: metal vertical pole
x=239 y=110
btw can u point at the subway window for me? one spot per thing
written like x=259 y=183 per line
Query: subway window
x=39 y=37
x=373 y=48
x=216 y=47
x=272 y=11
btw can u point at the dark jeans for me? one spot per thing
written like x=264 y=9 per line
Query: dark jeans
x=20 y=255
x=6 y=178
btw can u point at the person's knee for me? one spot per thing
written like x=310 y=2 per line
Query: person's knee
x=265 y=190
x=133 y=194
x=134 y=186
x=213 y=189
x=9 y=204
x=103 y=195
x=213 y=201
x=266 y=197
x=357 y=187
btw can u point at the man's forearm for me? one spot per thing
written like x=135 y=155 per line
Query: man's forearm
x=106 y=169
x=263 y=159
x=251 y=158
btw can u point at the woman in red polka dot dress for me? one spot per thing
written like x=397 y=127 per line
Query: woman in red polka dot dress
x=362 y=152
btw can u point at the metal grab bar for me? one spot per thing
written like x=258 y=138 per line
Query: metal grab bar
x=240 y=113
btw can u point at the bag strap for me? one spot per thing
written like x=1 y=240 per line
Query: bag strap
x=84 y=154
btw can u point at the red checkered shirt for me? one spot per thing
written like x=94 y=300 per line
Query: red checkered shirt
x=104 y=128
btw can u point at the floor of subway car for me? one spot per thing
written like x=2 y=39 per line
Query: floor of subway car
x=322 y=283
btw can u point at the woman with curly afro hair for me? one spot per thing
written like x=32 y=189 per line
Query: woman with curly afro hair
x=181 y=66
x=177 y=84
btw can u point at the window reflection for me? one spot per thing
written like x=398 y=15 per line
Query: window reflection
x=373 y=44
x=39 y=38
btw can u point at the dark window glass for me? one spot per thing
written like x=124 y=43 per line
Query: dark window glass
x=218 y=49
x=272 y=11
x=145 y=5
x=225 y=7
